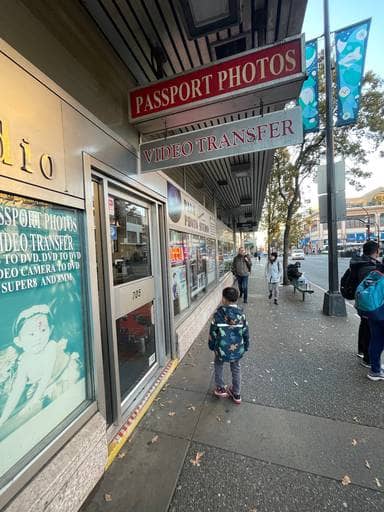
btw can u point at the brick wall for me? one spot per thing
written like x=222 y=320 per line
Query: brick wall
x=188 y=330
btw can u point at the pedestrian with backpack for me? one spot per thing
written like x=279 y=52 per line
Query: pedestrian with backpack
x=369 y=302
x=273 y=274
x=359 y=268
x=229 y=339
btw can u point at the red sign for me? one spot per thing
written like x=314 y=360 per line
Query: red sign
x=232 y=76
x=176 y=254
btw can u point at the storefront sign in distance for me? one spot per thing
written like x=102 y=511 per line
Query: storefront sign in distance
x=282 y=128
x=247 y=72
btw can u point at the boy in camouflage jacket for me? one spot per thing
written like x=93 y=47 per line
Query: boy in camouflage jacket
x=229 y=339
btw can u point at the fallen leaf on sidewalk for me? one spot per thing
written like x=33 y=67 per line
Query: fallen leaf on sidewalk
x=320 y=369
x=107 y=497
x=161 y=404
x=354 y=442
x=346 y=480
x=121 y=455
x=153 y=440
x=172 y=413
x=196 y=460
x=191 y=407
x=355 y=418
x=377 y=482
x=218 y=418
x=295 y=383
x=367 y=464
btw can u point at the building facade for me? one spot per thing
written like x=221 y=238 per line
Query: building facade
x=364 y=221
x=106 y=274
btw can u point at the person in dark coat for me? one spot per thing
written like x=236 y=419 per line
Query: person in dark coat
x=362 y=266
x=241 y=268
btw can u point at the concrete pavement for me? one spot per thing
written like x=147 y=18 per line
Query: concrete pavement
x=309 y=417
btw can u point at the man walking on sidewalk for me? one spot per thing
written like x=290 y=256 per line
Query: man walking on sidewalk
x=273 y=273
x=241 y=268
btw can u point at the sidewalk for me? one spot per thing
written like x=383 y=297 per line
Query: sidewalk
x=309 y=417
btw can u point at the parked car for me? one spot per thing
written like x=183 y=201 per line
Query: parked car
x=298 y=254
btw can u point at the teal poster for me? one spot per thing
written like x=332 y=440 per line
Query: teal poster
x=351 y=48
x=42 y=334
x=309 y=95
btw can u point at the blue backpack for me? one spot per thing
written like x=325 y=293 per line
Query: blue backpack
x=369 y=298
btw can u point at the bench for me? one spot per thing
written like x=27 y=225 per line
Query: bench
x=300 y=287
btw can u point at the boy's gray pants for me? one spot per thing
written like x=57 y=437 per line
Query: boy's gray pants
x=236 y=375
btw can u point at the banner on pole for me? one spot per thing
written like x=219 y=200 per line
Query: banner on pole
x=351 y=48
x=309 y=96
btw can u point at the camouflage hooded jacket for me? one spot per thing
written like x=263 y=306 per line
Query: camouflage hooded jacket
x=228 y=334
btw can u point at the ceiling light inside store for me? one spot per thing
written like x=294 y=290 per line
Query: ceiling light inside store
x=203 y=17
x=246 y=201
x=241 y=170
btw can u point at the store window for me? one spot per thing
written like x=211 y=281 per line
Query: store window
x=178 y=255
x=44 y=361
x=211 y=260
x=129 y=227
x=225 y=257
x=198 y=266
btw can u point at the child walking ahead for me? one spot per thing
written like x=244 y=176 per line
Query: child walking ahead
x=229 y=339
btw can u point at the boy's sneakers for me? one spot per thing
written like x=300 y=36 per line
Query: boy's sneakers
x=236 y=398
x=220 y=393
x=275 y=301
x=365 y=364
x=360 y=355
x=270 y=295
x=376 y=376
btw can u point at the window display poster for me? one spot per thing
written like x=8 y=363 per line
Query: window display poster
x=179 y=288
x=42 y=335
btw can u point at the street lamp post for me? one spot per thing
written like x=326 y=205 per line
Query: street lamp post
x=334 y=304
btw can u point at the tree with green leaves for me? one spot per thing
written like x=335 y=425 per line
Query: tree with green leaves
x=353 y=143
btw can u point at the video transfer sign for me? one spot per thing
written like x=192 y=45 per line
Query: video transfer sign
x=282 y=128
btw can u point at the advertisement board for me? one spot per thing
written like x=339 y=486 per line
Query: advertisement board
x=246 y=72
x=187 y=215
x=259 y=133
x=42 y=329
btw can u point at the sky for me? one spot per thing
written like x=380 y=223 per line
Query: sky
x=341 y=14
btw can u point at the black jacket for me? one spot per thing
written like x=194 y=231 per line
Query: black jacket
x=363 y=265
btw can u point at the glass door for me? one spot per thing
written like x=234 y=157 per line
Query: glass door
x=133 y=288
x=129 y=266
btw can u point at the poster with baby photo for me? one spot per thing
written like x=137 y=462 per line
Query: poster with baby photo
x=42 y=328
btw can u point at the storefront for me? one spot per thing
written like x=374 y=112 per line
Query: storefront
x=85 y=328
x=102 y=275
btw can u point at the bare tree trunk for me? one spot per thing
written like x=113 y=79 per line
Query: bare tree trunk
x=287 y=232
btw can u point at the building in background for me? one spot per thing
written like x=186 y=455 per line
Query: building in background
x=364 y=221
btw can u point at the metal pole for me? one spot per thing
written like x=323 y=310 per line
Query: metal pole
x=334 y=304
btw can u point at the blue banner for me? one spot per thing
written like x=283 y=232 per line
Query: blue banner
x=351 y=48
x=309 y=96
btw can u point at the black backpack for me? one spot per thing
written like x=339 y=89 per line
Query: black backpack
x=349 y=283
